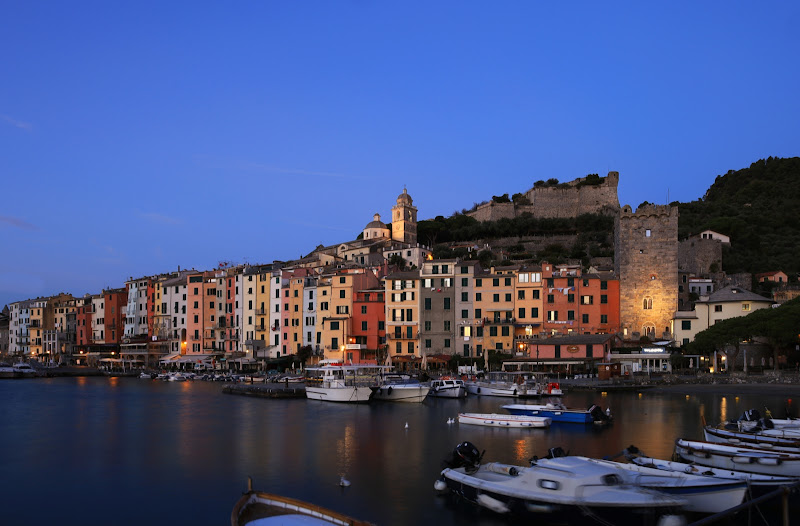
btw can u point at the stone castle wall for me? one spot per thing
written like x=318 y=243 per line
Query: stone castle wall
x=646 y=260
x=696 y=255
x=553 y=202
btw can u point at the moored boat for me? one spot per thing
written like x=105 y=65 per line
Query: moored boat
x=502 y=383
x=563 y=489
x=756 y=440
x=702 y=494
x=757 y=482
x=560 y=413
x=552 y=389
x=447 y=387
x=500 y=420
x=256 y=508
x=335 y=382
x=23 y=370
x=739 y=458
x=395 y=388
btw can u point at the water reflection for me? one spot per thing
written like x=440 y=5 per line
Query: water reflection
x=184 y=450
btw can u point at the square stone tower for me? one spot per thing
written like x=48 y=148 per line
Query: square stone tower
x=404 y=219
x=646 y=261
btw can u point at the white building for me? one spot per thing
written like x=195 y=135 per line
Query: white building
x=729 y=302
x=136 y=309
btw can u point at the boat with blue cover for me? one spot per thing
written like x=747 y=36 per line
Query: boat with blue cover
x=559 y=413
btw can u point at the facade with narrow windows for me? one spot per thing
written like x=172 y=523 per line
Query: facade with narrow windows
x=646 y=259
x=437 y=320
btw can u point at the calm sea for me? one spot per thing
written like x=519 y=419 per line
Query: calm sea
x=129 y=451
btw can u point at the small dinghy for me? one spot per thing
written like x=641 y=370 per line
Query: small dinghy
x=496 y=420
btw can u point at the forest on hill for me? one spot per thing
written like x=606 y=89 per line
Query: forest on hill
x=757 y=207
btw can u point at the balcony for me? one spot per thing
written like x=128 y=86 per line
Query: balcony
x=261 y=312
x=500 y=321
x=231 y=335
x=261 y=328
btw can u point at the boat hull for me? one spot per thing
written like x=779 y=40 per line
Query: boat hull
x=401 y=393
x=447 y=388
x=702 y=494
x=482 y=389
x=739 y=458
x=556 y=415
x=760 y=484
x=496 y=420
x=756 y=440
x=349 y=394
x=500 y=493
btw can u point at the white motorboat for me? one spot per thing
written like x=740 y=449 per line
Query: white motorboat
x=397 y=388
x=496 y=420
x=6 y=371
x=23 y=370
x=565 y=489
x=448 y=387
x=336 y=382
x=702 y=494
x=756 y=440
x=759 y=483
x=739 y=458
x=502 y=383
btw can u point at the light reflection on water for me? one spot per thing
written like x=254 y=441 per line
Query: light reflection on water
x=181 y=452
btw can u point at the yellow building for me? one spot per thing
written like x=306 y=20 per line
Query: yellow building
x=402 y=313
x=494 y=309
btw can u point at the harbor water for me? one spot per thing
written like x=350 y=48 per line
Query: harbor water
x=97 y=450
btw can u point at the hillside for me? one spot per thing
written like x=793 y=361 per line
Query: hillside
x=759 y=208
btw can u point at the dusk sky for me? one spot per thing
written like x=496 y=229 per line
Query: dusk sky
x=136 y=137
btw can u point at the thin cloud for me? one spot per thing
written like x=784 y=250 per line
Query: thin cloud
x=160 y=218
x=17 y=222
x=19 y=124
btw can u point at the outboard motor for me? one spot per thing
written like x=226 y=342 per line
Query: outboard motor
x=464 y=455
x=751 y=415
x=597 y=413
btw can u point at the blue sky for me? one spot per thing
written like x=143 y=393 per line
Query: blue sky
x=139 y=136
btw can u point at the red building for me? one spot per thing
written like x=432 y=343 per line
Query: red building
x=574 y=303
x=116 y=301
x=368 y=330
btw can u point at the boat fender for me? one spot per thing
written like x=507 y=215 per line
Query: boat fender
x=742 y=460
x=493 y=504
x=389 y=391
x=440 y=485
x=770 y=461
x=478 y=390
x=672 y=520
x=515 y=392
